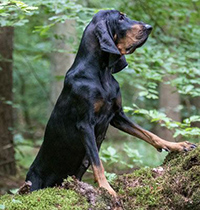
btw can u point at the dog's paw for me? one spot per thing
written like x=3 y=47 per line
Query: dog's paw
x=25 y=188
x=184 y=146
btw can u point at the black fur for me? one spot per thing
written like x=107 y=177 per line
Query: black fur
x=77 y=127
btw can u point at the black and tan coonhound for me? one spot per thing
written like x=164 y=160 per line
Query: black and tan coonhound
x=89 y=102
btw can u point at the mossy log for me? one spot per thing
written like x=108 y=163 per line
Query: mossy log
x=174 y=185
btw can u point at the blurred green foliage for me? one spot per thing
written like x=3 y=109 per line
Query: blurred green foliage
x=172 y=49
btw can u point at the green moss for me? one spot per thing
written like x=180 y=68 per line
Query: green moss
x=142 y=173
x=139 y=191
x=50 y=198
x=176 y=186
x=146 y=195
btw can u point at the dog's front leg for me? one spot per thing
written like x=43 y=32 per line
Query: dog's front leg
x=121 y=122
x=88 y=139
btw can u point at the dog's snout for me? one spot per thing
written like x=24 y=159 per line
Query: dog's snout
x=148 y=27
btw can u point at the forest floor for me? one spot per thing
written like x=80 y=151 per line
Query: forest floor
x=174 y=185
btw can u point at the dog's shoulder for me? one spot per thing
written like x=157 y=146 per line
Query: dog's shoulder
x=80 y=88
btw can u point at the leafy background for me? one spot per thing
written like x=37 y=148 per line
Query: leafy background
x=172 y=50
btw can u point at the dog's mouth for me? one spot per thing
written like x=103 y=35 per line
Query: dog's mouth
x=133 y=47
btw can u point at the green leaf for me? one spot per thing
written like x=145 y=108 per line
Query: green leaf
x=127 y=109
x=2 y=207
x=111 y=150
x=14 y=191
x=110 y=176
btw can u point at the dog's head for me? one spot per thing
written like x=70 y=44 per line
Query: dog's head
x=130 y=34
x=118 y=35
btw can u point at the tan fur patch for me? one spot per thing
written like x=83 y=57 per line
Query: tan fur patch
x=119 y=101
x=129 y=39
x=97 y=105
x=159 y=143
x=101 y=179
x=98 y=172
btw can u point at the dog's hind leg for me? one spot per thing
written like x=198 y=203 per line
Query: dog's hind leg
x=35 y=180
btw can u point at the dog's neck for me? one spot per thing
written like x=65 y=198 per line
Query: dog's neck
x=90 y=54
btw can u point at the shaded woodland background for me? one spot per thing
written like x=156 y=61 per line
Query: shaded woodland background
x=160 y=87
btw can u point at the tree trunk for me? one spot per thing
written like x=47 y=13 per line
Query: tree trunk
x=7 y=160
x=169 y=102
x=63 y=57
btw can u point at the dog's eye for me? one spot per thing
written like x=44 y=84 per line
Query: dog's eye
x=121 y=17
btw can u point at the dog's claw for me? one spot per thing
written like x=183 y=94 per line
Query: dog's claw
x=193 y=146
x=185 y=150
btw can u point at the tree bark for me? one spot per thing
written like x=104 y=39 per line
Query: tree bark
x=7 y=160
x=169 y=102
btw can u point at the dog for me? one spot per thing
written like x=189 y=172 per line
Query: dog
x=91 y=101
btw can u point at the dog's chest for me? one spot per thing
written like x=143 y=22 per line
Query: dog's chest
x=105 y=110
x=108 y=101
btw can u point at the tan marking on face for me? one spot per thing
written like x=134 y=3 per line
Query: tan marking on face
x=97 y=105
x=99 y=176
x=130 y=39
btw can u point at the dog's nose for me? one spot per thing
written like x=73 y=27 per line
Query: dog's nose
x=148 y=27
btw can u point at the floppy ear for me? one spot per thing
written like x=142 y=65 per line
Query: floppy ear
x=105 y=38
x=120 y=64
x=107 y=44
